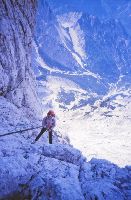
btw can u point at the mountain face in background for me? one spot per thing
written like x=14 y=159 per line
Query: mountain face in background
x=103 y=9
x=81 y=59
x=90 y=49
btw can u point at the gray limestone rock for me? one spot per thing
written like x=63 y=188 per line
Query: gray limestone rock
x=17 y=81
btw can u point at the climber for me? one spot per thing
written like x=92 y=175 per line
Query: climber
x=48 y=124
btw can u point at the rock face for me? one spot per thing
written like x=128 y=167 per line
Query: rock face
x=60 y=172
x=16 y=77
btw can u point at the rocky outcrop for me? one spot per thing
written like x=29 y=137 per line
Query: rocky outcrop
x=101 y=180
x=16 y=77
x=60 y=172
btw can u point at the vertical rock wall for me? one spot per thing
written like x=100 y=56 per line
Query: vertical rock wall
x=17 y=82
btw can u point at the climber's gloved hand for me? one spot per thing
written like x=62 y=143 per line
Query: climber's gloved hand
x=50 y=128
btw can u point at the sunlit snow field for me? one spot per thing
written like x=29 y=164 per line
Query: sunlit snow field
x=100 y=137
x=100 y=133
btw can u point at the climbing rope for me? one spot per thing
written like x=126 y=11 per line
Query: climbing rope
x=20 y=131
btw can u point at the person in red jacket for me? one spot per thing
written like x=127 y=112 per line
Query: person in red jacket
x=48 y=124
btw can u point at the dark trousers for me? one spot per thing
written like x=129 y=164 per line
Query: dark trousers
x=50 y=137
x=40 y=134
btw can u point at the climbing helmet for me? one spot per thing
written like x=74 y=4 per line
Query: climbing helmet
x=51 y=112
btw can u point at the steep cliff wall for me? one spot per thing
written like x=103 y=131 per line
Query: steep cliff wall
x=16 y=78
